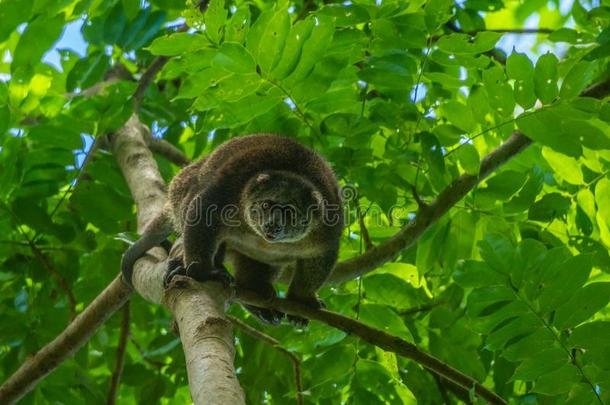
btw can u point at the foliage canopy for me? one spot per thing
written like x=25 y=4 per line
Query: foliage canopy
x=511 y=286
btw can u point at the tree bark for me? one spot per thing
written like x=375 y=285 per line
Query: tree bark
x=199 y=309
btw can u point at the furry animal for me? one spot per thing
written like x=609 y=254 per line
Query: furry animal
x=262 y=202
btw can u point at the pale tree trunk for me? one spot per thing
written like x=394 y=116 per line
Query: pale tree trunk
x=199 y=309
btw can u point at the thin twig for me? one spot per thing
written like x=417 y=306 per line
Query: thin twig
x=146 y=79
x=421 y=308
x=518 y=31
x=154 y=363
x=364 y=232
x=120 y=356
x=42 y=248
x=296 y=362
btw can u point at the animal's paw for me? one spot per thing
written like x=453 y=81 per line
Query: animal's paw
x=218 y=274
x=174 y=268
x=313 y=302
x=269 y=316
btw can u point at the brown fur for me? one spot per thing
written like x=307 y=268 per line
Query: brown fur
x=220 y=180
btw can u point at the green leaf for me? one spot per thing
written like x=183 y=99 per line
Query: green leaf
x=432 y=151
x=566 y=167
x=390 y=290
x=499 y=92
x=558 y=381
x=545 y=126
x=267 y=38
x=332 y=364
x=540 y=364
x=591 y=335
x=237 y=27
x=497 y=251
x=61 y=136
x=511 y=330
x=459 y=115
x=382 y=317
x=577 y=79
x=545 y=78
x=345 y=15
x=313 y=48
x=528 y=345
x=114 y=25
x=583 y=305
x=600 y=52
x=388 y=72
x=87 y=71
x=131 y=8
x=5 y=119
x=471 y=273
x=602 y=198
x=587 y=132
x=550 y=206
x=564 y=35
x=196 y=84
x=234 y=58
x=560 y=283
x=469 y=158
x=299 y=33
x=464 y=44
x=38 y=37
x=215 y=16
x=13 y=13
x=177 y=44
x=392 y=34
x=520 y=68
x=151 y=28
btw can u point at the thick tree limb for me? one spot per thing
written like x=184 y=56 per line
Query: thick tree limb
x=207 y=339
x=199 y=310
x=169 y=152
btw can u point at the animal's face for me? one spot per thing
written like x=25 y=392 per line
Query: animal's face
x=281 y=207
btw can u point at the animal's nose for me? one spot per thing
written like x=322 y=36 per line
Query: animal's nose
x=272 y=230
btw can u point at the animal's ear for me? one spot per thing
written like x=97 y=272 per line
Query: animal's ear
x=263 y=177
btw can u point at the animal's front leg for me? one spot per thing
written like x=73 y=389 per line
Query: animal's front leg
x=309 y=276
x=201 y=244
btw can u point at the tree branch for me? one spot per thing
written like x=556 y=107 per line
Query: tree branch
x=389 y=249
x=146 y=80
x=169 y=152
x=207 y=339
x=120 y=356
x=199 y=309
x=375 y=337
